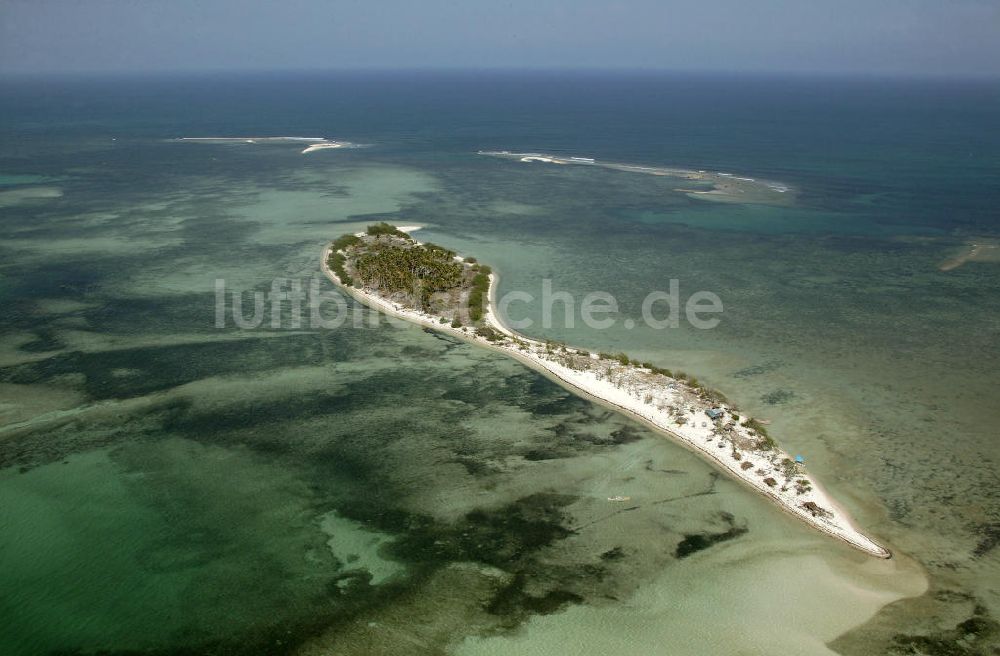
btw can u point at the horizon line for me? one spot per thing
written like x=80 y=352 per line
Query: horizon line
x=522 y=70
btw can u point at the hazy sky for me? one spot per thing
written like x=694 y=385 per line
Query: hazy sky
x=874 y=36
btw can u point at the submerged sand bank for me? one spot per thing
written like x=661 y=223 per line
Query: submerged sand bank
x=667 y=408
x=720 y=186
x=976 y=250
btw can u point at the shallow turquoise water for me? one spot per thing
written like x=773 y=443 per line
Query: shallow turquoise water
x=169 y=486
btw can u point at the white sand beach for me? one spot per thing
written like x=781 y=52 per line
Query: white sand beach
x=670 y=409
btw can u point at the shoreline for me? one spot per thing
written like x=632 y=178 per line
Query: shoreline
x=838 y=524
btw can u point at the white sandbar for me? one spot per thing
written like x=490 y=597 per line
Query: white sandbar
x=658 y=402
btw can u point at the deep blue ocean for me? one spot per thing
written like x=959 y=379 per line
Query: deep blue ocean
x=931 y=146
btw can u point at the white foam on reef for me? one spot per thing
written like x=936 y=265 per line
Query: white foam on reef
x=315 y=143
x=252 y=139
x=325 y=146
x=728 y=185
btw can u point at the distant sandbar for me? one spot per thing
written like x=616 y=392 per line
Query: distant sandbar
x=315 y=143
x=719 y=186
x=984 y=249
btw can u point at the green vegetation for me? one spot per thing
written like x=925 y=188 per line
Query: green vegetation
x=755 y=426
x=789 y=468
x=346 y=241
x=383 y=228
x=336 y=263
x=410 y=269
x=387 y=259
x=656 y=370
x=765 y=443
x=434 y=247
x=489 y=333
x=480 y=288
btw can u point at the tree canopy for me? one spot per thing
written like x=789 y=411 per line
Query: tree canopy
x=396 y=268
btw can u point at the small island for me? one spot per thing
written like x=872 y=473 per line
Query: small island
x=387 y=270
